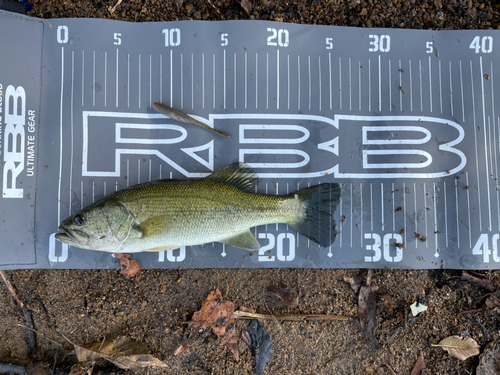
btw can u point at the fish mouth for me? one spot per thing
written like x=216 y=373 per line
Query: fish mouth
x=73 y=237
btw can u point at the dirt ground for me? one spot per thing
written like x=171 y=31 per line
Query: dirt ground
x=153 y=307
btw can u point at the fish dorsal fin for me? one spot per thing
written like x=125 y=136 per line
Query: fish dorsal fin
x=239 y=175
x=244 y=240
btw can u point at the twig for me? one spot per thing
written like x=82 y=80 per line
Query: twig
x=390 y=369
x=290 y=317
x=265 y=303
x=40 y=334
x=27 y=316
x=114 y=8
x=216 y=9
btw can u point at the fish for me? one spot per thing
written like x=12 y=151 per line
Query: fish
x=167 y=214
x=177 y=115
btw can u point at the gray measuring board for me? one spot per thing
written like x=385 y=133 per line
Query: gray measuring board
x=405 y=120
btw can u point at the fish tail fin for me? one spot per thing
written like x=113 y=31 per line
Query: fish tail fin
x=319 y=203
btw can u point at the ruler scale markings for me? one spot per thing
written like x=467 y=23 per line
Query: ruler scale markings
x=161 y=78
x=149 y=171
x=182 y=81
x=462 y=91
x=203 y=80
x=172 y=78
x=390 y=87
x=93 y=191
x=288 y=80
x=234 y=78
x=475 y=147
x=495 y=155
x=485 y=142
x=420 y=80
x=320 y=82
x=451 y=91
x=309 y=79
x=400 y=87
x=105 y=77
x=138 y=171
x=93 y=81
x=277 y=81
x=350 y=86
x=468 y=206
x=128 y=171
x=139 y=77
x=160 y=171
x=256 y=79
x=425 y=216
x=341 y=220
x=359 y=84
x=491 y=142
x=350 y=214
x=404 y=212
x=457 y=211
x=430 y=84
x=371 y=207
x=267 y=81
x=192 y=82
x=440 y=90
x=379 y=85
x=436 y=254
x=81 y=195
x=277 y=193
x=116 y=186
x=298 y=79
x=224 y=76
x=446 y=214
x=246 y=80
x=330 y=75
x=393 y=210
x=72 y=128
x=83 y=78
x=382 y=204
x=415 y=212
x=362 y=214
x=104 y=189
x=369 y=85
x=61 y=137
x=213 y=81
x=116 y=78
x=151 y=82
x=340 y=82
x=411 y=87
x=128 y=80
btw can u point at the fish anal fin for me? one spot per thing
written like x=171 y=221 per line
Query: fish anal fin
x=238 y=175
x=244 y=240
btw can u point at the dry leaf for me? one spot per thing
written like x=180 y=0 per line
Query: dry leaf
x=367 y=312
x=129 y=268
x=419 y=366
x=458 y=347
x=479 y=280
x=179 y=4
x=261 y=345
x=288 y=296
x=122 y=351
x=489 y=363
x=355 y=282
x=247 y=5
x=216 y=315
x=247 y=309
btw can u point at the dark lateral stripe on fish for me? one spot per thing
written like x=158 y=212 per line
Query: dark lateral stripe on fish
x=177 y=115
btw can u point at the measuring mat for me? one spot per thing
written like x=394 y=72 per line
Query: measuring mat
x=407 y=121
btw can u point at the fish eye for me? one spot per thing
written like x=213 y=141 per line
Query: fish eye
x=79 y=219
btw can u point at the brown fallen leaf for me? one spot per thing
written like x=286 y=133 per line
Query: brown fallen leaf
x=122 y=351
x=354 y=282
x=216 y=315
x=247 y=309
x=489 y=363
x=479 y=280
x=459 y=347
x=419 y=366
x=367 y=311
x=247 y=5
x=288 y=296
x=179 y=4
x=128 y=268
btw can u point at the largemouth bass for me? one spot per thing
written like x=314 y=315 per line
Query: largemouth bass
x=167 y=214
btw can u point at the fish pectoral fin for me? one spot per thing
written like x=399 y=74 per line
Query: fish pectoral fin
x=162 y=248
x=244 y=240
x=238 y=175
x=156 y=226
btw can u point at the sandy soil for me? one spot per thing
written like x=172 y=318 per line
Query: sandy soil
x=154 y=306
